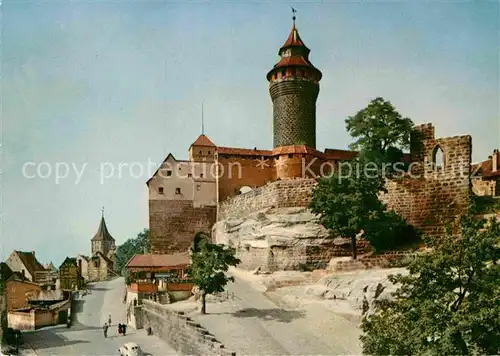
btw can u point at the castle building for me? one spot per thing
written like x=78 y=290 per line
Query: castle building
x=190 y=196
x=184 y=194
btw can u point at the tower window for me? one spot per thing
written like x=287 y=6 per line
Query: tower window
x=160 y=190
x=438 y=158
x=177 y=191
x=169 y=173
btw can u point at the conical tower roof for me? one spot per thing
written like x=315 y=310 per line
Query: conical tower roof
x=103 y=233
x=294 y=53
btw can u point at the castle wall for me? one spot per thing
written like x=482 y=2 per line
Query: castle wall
x=429 y=196
x=173 y=224
x=240 y=171
x=278 y=194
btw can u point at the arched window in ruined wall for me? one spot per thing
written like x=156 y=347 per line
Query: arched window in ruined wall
x=438 y=160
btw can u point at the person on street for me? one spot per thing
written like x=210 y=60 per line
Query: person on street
x=109 y=320
x=105 y=329
x=124 y=329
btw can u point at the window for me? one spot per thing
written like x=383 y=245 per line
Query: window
x=290 y=155
x=198 y=187
x=201 y=175
x=200 y=152
x=189 y=175
x=160 y=190
x=438 y=158
x=283 y=73
x=177 y=191
x=169 y=173
x=208 y=152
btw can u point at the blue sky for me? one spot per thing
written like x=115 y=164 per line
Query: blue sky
x=122 y=82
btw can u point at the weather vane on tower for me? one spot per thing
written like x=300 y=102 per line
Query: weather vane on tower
x=294 y=18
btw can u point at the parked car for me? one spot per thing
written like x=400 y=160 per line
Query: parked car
x=131 y=349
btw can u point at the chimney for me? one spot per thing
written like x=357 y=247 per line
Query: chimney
x=494 y=161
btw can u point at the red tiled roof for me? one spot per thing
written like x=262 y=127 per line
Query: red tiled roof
x=242 y=151
x=173 y=260
x=293 y=39
x=294 y=61
x=203 y=140
x=485 y=168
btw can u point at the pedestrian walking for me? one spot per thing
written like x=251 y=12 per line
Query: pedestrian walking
x=105 y=329
x=124 y=329
x=109 y=320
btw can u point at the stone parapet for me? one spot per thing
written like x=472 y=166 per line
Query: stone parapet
x=279 y=194
x=180 y=331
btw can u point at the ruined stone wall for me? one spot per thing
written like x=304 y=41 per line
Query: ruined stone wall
x=279 y=194
x=173 y=224
x=180 y=331
x=430 y=196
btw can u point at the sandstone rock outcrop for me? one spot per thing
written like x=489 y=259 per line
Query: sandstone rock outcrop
x=279 y=239
x=360 y=290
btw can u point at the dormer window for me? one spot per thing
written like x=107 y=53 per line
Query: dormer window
x=160 y=190
x=169 y=173
x=177 y=191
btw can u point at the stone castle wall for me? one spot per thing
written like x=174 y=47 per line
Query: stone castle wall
x=427 y=198
x=431 y=196
x=173 y=224
x=279 y=194
x=180 y=331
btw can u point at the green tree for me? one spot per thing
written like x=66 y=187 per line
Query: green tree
x=348 y=202
x=380 y=132
x=449 y=304
x=133 y=246
x=209 y=264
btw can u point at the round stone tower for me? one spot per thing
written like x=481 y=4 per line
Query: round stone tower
x=294 y=88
